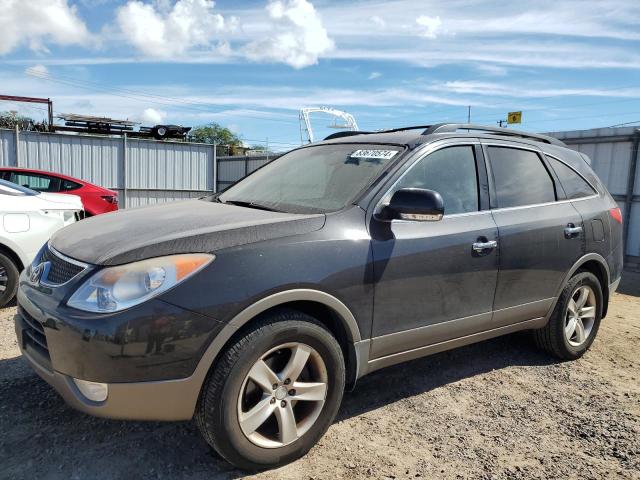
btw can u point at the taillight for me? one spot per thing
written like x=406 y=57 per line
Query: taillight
x=110 y=199
x=616 y=214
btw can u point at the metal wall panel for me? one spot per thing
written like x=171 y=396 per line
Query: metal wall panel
x=7 y=148
x=94 y=159
x=140 y=198
x=169 y=165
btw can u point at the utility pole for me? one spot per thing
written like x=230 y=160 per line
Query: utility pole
x=469 y=114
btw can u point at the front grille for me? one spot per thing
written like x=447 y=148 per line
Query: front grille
x=60 y=270
x=33 y=337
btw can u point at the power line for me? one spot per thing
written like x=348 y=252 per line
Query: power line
x=156 y=99
x=623 y=124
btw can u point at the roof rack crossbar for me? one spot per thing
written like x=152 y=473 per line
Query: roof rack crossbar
x=454 y=127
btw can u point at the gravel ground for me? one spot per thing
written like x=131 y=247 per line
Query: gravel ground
x=498 y=409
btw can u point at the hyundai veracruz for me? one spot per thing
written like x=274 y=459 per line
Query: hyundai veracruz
x=254 y=309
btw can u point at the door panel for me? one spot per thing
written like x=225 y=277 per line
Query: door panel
x=427 y=273
x=535 y=254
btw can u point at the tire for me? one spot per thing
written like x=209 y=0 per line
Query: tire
x=160 y=132
x=554 y=338
x=8 y=286
x=274 y=340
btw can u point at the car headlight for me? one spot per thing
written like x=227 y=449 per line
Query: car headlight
x=116 y=288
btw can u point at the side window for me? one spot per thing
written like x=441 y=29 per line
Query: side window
x=39 y=183
x=520 y=177
x=68 y=185
x=451 y=172
x=574 y=185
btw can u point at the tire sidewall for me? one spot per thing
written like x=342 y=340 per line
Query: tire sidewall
x=281 y=333
x=588 y=279
x=12 y=283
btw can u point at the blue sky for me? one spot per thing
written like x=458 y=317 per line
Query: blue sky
x=252 y=65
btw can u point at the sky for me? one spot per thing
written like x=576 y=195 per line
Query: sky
x=252 y=65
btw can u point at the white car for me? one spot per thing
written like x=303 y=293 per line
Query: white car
x=27 y=221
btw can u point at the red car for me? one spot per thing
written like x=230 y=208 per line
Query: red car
x=96 y=200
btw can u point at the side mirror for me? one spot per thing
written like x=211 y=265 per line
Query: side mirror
x=416 y=204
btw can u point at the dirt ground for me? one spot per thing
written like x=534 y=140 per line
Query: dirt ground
x=498 y=409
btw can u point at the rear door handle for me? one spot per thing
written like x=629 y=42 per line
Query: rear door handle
x=482 y=247
x=571 y=231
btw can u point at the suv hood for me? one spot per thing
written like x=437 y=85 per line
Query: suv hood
x=183 y=227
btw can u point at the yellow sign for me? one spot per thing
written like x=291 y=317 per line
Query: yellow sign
x=514 y=117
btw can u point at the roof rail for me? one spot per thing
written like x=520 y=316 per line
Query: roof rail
x=454 y=127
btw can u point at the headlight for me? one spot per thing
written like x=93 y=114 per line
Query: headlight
x=116 y=288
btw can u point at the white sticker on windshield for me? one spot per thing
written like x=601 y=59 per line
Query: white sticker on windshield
x=383 y=154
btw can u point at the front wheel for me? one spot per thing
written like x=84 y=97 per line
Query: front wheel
x=273 y=393
x=574 y=323
x=8 y=279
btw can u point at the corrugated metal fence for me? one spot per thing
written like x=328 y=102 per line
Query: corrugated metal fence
x=614 y=155
x=142 y=171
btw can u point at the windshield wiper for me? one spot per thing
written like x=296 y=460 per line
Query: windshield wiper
x=241 y=203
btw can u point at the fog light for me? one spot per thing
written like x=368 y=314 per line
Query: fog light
x=96 y=392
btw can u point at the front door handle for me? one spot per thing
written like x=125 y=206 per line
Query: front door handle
x=571 y=231
x=482 y=247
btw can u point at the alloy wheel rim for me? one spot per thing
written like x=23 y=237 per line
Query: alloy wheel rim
x=581 y=316
x=282 y=395
x=4 y=279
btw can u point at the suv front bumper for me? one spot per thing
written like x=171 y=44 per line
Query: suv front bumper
x=147 y=355
x=161 y=400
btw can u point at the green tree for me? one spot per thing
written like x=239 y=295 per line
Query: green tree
x=215 y=133
x=11 y=119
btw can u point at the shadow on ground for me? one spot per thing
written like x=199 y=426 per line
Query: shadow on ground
x=630 y=284
x=44 y=437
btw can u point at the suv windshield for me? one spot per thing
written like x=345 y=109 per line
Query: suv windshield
x=9 y=188
x=318 y=179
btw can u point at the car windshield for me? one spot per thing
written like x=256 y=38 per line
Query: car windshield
x=317 y=179
x=9 y=188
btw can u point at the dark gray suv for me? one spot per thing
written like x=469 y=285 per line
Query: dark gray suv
x=254 y=309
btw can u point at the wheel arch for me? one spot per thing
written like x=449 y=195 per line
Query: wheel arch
x=326 y=308
x=12 y=255
x=596 y=264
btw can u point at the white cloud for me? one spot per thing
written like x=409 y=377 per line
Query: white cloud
x=376 y=20
x=161 y=30
x=429 y=26
x=151 y=116
x=374 y=75
x=37 y=71
x=299 y=37
x=528 y=90
x=37 y=22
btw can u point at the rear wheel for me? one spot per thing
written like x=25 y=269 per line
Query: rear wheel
x=273 y=393
x=573 y=326
x=8 y=279
x=160 y=132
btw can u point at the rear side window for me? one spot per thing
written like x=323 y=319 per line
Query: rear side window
x=573 y=184
x=520 y=177
x=68 y=185
x=452 y=173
